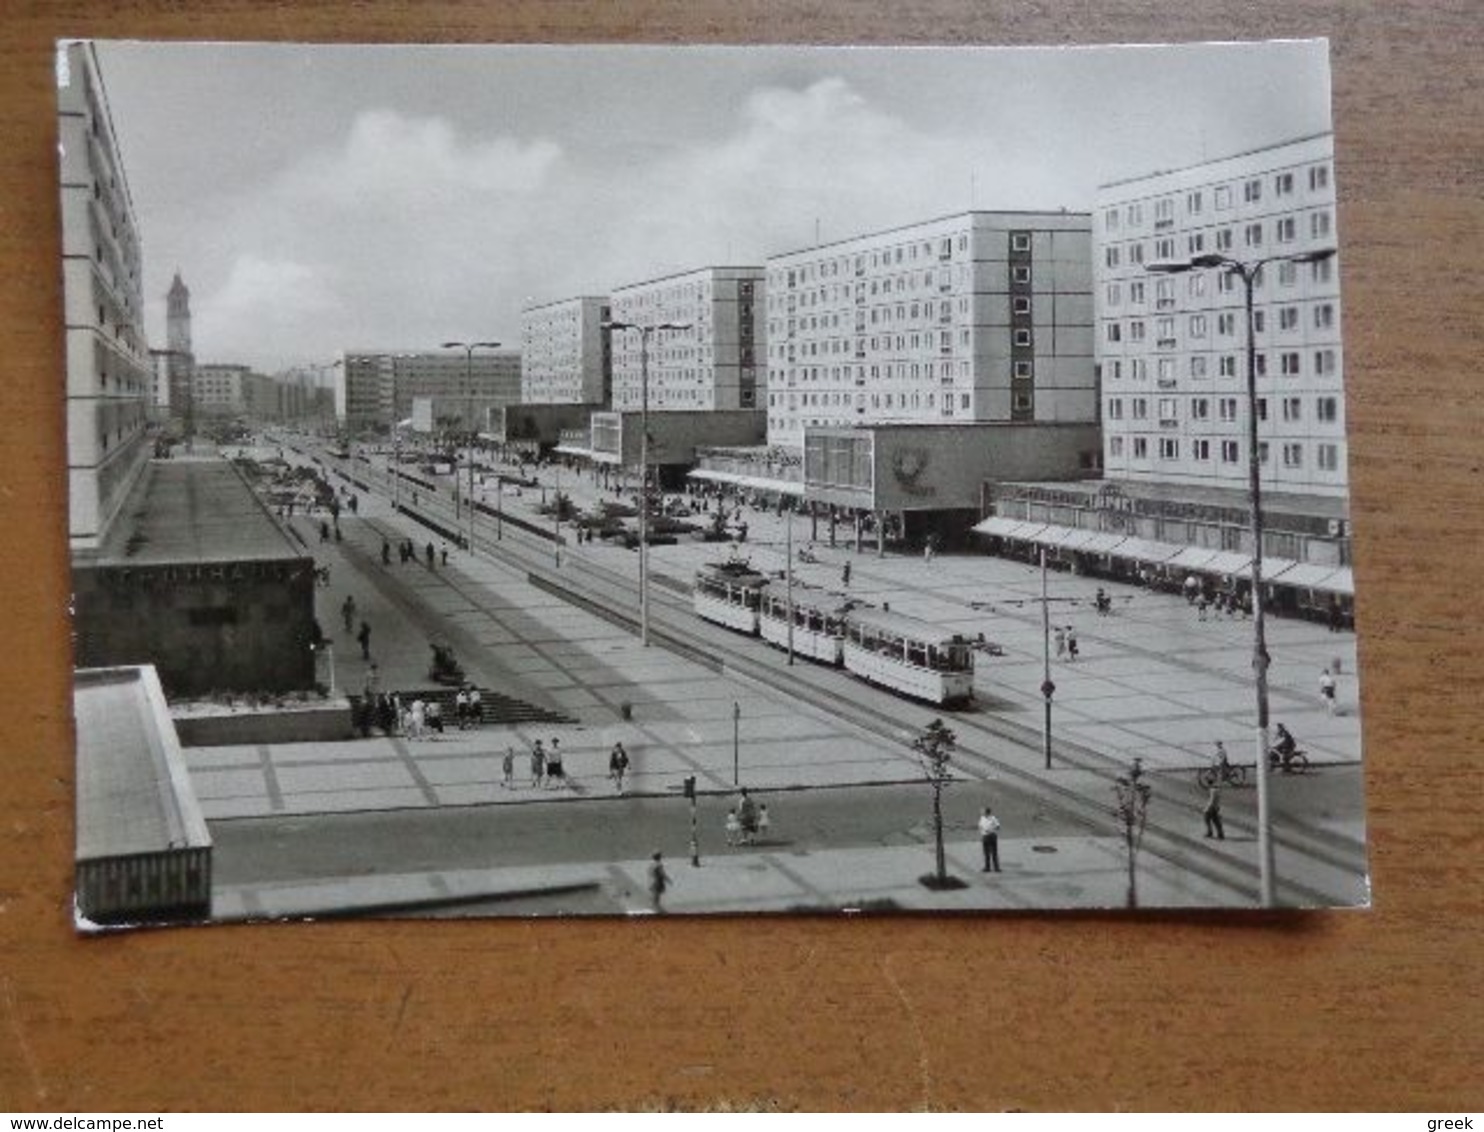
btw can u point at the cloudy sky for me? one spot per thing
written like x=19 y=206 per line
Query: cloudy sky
x=319 y=198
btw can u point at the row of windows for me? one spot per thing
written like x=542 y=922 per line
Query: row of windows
x=940 y=248
x=1220 y=198
x=1166 y=290
x=1226 y=323
x=1326 y=408
x=795 y=401
x=900 y=371
x=1201 y=450
x=1290 y=363
x=1284 y=230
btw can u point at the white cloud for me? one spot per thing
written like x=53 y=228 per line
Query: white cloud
x=391 y=157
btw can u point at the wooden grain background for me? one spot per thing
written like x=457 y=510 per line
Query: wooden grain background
x=1352 y=1010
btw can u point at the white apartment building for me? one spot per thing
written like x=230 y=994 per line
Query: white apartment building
x=975 y=317
x=1172 y=349
x=109 y=371
x=220 y=389
x=564 y=352
x=377 y=387
x=717 y=363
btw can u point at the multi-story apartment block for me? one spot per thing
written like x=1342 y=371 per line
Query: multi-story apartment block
x=109 y=372
x=564 y=358
x=1172 y=348
x=220 y=389
x=976 y=317
x=717 y=363
x=379 y=386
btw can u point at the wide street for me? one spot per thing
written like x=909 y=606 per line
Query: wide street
x=1153 y=681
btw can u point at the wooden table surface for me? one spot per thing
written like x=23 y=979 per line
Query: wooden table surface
x=1348 y=1010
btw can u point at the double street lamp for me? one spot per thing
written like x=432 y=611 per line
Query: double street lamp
x=644 y=333
x=1249 y=273
x=468 y=348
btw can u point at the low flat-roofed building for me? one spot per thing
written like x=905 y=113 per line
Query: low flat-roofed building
x=143 y=849
x=198 y=579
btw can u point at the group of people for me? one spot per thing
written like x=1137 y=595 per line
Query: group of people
x=747 y=821
x=407 y=552
x=391 y=715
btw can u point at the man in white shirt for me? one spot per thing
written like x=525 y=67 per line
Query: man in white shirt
x=989 y=837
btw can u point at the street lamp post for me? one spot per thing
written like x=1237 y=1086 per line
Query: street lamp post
x=468 y=348
x=644 y=333
x=1248 y=273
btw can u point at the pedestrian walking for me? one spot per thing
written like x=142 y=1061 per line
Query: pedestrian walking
x=659 y=881
x=845 y=575
x=1071 y=644
x=433 y=716
x=324 y=531
x=556 y=774
x=476 y=706
x=989 y=840
x=461 y=709
x=1201 y=605
x=764 y=822
x=1212 y=812
x=348 y=612
x=1061 y=642
x=364 y=637
x=734 y=829
x=417 y=723
x=1327 y=690
x=429 y=555
x=538 y=765
x=372 y=684
x=443 y=552
x=618 y=766
x=507 y=769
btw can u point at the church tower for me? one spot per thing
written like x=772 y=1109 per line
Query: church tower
x=180 y=362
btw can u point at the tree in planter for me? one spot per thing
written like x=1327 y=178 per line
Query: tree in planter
x=1131 y=808
x=934 y=747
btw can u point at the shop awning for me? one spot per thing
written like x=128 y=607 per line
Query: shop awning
x=1051 y=535
x=1102 y=542
x=1226 y=562
x=1273 y=569
x=1193 y=557
x=998 y=526
x=1146 y=550
x=1077 y=539
x=1027 y=531
x=1304 y=575
x=1342 y=581
x=755 y=483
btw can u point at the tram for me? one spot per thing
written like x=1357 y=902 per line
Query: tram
x=730 y=594
x=903 y=654
x=818 y=620
x=912 y=657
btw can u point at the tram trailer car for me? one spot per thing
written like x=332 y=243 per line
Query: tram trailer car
x=819 y=622
x=730 y=594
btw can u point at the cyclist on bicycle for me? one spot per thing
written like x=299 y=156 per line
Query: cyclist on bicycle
x=1284 y=748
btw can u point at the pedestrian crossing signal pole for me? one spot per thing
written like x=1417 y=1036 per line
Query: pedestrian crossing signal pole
x=695 y=838
x=1047 y=687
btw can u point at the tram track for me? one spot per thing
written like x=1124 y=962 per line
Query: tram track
x=981 y=737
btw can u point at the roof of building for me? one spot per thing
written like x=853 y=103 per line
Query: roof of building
x=133 y=790
x=186 y=510
x=1016 y=213
x=1215 y=160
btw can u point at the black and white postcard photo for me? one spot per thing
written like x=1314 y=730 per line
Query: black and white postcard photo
x=665 y=481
